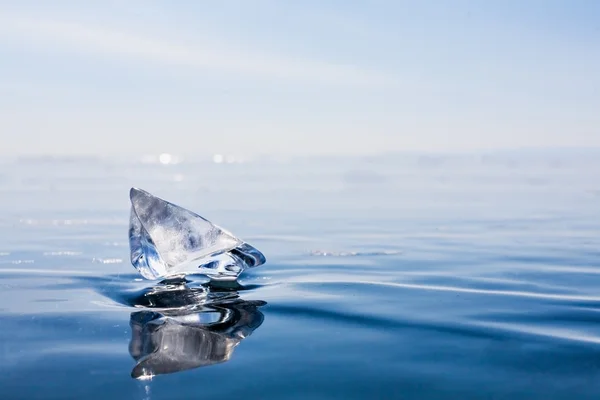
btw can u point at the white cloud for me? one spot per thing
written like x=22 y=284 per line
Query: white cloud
x=94 y=40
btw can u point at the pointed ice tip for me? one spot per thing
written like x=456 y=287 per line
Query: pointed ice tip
x=167 y=240
x=135 y=192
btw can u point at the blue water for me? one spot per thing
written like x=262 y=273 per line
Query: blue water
x=397 y=277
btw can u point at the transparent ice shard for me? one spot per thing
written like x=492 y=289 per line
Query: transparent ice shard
x=168 y=241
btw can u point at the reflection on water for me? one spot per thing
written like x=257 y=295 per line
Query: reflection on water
x=175 y=294
x=202 y=328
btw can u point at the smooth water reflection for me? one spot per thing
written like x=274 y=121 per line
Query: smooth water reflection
x=196 y=327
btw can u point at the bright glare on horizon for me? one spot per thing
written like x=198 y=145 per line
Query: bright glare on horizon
x=165 y=158
x=312 y=77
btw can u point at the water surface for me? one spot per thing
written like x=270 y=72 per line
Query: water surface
x=404 y=277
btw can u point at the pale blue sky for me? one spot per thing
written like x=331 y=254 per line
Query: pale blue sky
x=297 y=77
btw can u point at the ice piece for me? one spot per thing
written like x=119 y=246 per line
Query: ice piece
x=168 y=241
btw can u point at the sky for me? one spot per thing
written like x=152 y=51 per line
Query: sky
x=307 y=77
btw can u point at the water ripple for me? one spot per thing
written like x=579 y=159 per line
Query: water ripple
x=325 y=253
x=455 y=289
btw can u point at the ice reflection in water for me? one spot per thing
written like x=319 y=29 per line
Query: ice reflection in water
x=202 y=332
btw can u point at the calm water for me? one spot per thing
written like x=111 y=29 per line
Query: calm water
x=406 y=277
